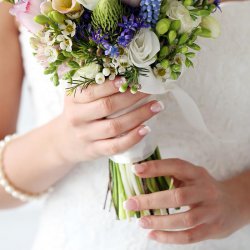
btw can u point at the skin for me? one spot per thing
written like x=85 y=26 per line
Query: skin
x=81 y=134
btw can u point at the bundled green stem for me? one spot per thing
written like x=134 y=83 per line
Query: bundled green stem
x=125 y=184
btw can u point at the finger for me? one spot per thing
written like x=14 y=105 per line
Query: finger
x=114 y=146
x=189 y=219
x=97 y=91
x=180 y=169
x=109 y=128
x=199 y=233
x=184 y=196
x=106 y=106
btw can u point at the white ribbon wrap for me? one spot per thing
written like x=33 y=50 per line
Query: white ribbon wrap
x=151 y=85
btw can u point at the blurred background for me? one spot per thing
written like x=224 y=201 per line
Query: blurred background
x=19 y=226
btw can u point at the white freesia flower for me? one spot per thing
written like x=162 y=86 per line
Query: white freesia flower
x=143 y=48
x=88 y=4
x=65 y=43
x=89 y=71
x=51 y=54
x=177 y=11
x=68 y=29
x=211 y=24
x=49 y=37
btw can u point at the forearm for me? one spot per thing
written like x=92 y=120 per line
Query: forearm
x=33 y=162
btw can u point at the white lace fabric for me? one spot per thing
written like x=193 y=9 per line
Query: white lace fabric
x=73 y=218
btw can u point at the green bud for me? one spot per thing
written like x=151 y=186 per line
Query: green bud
x=73 y=65
x=176 y=68
x=66 y=53
x=165 y=63
x=56 y=16
x=194 y=46
x=171 y=36
x=56 y=79
x=164 y=52
x=49 y=70
x=175 y=25
x=198 y=12
x=192 y=39
x=188 y=2
x=124 y=87
x=212 y=7
x=183 y=50
x=174 y=75
x=190 y=55
x=41 y=19
x=134 y=89
x=162 y=26
x=189 y=63
x=205 y=33
x=184 y=37
x=61 y=57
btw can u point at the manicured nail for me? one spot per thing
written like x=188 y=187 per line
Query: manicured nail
x=152 y=236
x=138 y=168
x=157 y=107
x=144 y=131
x=119 y=82
x=144 y=223
x=130 y=204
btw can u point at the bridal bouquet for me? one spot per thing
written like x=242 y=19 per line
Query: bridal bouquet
x=85 y=42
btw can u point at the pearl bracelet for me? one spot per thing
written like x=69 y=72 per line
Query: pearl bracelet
x=6 y=183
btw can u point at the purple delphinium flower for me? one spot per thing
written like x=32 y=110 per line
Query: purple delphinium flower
x=129 y=27
x=98 y=37
x=111 y=50
x=84 y=27
x=217 y=4
x=125 y=38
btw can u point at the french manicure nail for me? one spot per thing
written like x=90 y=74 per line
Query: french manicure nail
x=130 y=204
x=157 y=107
x=138 y=168
x=143 y=222
x=119 y=82
x=144 y=131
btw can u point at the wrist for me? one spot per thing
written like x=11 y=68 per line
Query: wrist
x=238 y=188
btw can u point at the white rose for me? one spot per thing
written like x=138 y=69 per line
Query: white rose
x=211 y=24
x=143 y=48
x=89 y=71
x=88 y=4
x=177 y=11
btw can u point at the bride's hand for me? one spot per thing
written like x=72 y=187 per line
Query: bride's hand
x=217 y=209
x=85 y=132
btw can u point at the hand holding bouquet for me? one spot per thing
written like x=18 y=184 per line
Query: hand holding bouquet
x=86 y=42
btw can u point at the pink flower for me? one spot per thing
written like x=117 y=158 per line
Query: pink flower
x=25 y=11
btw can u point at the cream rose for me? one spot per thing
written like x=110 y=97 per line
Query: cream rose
x=143 y=48
x=88 y=4
x=177 y=11
x=66 y=6
x=89 y=71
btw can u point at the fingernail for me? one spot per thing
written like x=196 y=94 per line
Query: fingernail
x=130 y=204
x=144 y=223
x=144 y=131
x=152 y=235
x=138 y=168
x=119 y=82
x=157 y=107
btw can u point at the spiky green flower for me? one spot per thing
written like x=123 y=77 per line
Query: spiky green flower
x=107 y=14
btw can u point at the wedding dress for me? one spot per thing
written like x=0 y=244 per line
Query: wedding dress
x=73 y=218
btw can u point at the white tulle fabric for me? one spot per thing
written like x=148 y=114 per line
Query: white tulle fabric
x=73 y=218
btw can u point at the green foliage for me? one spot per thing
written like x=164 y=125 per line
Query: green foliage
x=107 y=15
